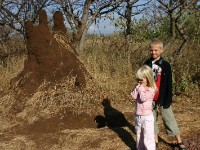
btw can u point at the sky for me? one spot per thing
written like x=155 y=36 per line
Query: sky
x=106 y=26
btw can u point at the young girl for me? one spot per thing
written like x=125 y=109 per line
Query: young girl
x=144 y=120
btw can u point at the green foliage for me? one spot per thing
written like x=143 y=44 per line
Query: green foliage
x=184 y=76
x=144 y=29
x=140 y=29
x=184 y=82
x=193 y=25
x=182 y=85
x=160 y=30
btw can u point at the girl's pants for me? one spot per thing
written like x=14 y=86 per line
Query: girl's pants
x=144 y=126
x=168 y=118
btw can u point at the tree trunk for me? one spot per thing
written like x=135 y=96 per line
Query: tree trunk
x=128 y=29
x=128 y=45
x=172 y=27
x=80 y=43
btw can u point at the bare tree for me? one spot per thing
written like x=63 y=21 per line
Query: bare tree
x=131 y=8
x=128 y=9
x=14 y=13
x=175 y=10
x=81 y=15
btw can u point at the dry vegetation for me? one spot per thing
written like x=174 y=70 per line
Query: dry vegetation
x=31 y=123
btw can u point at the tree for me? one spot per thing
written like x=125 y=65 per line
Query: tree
x=81 y=15
x=131 y=8
x=178 y=12
x=14 y=13
x=127 y=10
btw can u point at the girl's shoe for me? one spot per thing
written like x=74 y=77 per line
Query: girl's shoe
x=156 y=145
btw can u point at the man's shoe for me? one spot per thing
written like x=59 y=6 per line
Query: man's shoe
x=181 y=146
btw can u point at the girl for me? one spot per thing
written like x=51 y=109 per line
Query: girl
x=144 y=120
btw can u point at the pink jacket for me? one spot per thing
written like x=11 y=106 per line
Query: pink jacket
x=144 y=99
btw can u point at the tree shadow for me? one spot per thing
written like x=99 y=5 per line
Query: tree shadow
x=115 y=120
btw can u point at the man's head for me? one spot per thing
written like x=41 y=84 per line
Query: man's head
x=156 y=48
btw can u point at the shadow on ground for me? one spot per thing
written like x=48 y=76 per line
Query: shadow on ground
x=115 y=120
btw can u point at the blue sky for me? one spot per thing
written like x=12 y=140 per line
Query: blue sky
x=106 y=26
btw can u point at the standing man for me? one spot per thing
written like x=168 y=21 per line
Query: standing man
x=163 y=98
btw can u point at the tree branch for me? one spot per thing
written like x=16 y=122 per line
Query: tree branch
x=138 y=12
x=177 y=16
x=99 y=13
x=85 y=11
x=164 y=4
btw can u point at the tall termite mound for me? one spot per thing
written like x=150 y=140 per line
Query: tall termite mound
x=50 y=56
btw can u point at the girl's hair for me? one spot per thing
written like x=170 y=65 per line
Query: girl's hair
x=146 y=72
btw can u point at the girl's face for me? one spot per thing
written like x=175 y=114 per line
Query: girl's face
x=142 y=81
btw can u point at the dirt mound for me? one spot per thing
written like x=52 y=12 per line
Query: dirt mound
x=56 y=124
x=52 y=82
x=50 y=56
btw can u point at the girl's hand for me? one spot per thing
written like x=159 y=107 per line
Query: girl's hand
x=137 y=86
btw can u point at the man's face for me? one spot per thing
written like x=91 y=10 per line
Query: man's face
x=155 y=51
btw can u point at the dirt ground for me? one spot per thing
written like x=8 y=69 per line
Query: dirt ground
x=81 y=132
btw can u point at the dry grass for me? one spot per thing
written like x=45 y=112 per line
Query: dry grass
x=12 y=56
x=13 y=68
x=113 y=75
x=53 y=101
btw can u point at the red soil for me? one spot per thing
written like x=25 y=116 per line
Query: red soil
x=48 y=61
x=56 y=124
